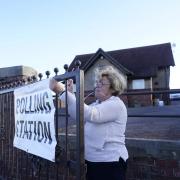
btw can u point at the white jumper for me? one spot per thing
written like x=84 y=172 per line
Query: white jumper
x=104 y=128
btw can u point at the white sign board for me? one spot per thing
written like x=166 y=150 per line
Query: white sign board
x=34 y=120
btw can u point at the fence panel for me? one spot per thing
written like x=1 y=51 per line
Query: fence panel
x=19 y=165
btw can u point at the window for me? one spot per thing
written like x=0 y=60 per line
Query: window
x=138 y=84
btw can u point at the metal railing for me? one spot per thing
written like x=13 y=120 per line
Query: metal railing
x=151 y=112
x=69 y=163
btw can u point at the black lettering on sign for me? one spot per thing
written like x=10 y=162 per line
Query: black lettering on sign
x=40 y=131
x=22 y=105
x=34 y=130
x=21 y=124
x=30 y=131
x=18 y=103
x=46 y=103
x=47 y=132
x=37 y=103
x=31 y=109
x=25 y=130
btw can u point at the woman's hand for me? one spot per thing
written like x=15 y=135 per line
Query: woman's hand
x=55 y=86
x=58 y=87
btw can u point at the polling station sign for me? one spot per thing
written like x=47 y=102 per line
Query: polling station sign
x=34 y=120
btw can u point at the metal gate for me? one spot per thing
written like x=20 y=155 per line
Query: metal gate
x=16 y=164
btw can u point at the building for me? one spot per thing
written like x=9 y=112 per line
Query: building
x=16 y=75
x=146 y=68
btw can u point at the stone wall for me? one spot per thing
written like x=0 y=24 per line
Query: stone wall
x=153 y=159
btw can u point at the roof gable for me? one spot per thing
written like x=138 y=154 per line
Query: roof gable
x=100 y=53
x=142 y=61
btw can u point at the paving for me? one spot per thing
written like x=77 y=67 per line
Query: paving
x=166 y=127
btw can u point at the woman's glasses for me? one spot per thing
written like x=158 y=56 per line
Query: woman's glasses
x=100 y=83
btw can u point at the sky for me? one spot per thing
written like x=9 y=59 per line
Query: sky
x=45 y=34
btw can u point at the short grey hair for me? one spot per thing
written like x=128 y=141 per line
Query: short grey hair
x=117 y=80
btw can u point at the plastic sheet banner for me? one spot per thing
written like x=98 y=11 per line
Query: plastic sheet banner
x=34 y=120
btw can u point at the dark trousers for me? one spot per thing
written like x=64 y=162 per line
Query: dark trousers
x=106 y=170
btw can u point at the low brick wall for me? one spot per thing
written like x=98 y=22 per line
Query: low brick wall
x=153 y=159
x=149 y=159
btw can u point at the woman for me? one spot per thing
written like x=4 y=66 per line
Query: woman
x=105 y=124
